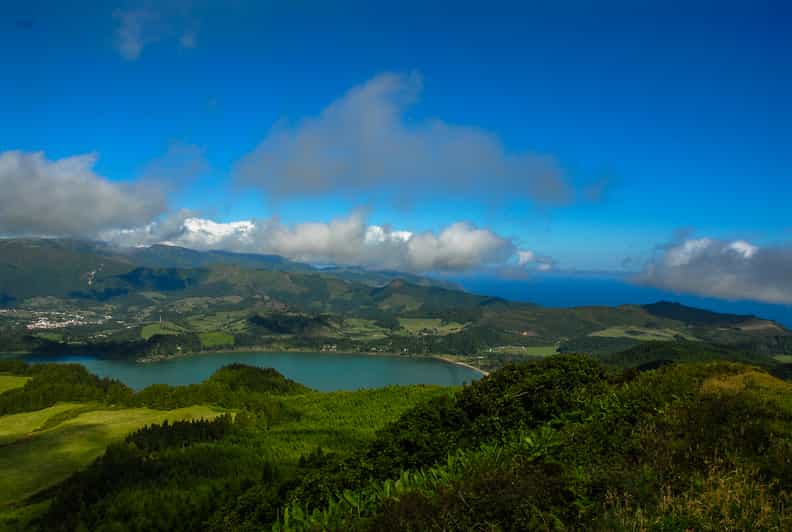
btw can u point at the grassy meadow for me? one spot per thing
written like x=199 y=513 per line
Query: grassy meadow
x=433 y=325
x=643 y=334
x=9 y=382
x=32 y=459
x=160 y=328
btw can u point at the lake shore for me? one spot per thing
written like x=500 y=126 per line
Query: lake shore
x=445 y=358
x=153 y=359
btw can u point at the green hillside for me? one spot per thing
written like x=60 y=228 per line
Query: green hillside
x=69 y=268
x=556 y=444
x=65 y=418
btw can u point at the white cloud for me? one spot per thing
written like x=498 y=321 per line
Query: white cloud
x=376 y=234
x=688 y=250
x=364 y=143
x=725 y=269
x=743 y=248
x=525 y=257
x=136 y=30
x=65 y=197
x=460 y=246
x=142 y=26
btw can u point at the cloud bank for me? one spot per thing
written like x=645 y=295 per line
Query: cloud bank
x=725 y=269
x=365 y=142
x=457 y=247
x=66 y=198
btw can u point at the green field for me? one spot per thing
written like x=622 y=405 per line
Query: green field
x=430 y=325
x=38 y=459
x=641 y=333
x=160 y=328
x=9 y=382
x=16 y=426
x=215 y=339
x=531 y=350
x=784 y=359
x=361 y=329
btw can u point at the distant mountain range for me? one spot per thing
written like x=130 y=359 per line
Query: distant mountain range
x=64 y=267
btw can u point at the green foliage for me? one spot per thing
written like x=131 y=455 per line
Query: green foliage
x=233 y=386
x=693 y=316
x=555 y=444
x=9 y=382
x=216 y=339
x=215 y=474
x=51 y=383
x=679 y=351
x=44 y=447
x=687 y=447
x=255 y=379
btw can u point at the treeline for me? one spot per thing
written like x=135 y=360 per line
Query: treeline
x=50 y=383
x=180 y=433
x=164 y=477
x=235 y=386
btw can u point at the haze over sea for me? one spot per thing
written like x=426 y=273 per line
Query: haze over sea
x=558 y=290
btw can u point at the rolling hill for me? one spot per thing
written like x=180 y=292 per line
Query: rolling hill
x=66 y=296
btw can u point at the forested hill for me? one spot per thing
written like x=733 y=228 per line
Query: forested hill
x=64 y=267
x=556 y=444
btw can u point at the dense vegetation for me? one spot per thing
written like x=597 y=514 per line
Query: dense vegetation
x=271 y=421
x=559 y=443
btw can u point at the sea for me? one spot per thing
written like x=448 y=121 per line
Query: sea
x=598 y=289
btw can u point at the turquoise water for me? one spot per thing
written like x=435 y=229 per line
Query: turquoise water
x=321 y=371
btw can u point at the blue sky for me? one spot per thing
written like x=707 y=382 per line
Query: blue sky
x=666 y=116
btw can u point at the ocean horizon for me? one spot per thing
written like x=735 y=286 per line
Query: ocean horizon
x=609 y=290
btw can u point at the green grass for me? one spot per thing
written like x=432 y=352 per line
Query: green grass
x=165 y=327
x=361 y=329
x=641 y=333
x=433 y=325
x=44 y=458
x=215 y=339
x=233 y=321
x=21 y=518
x=16 y=426
x=531 y=350
x=340 y=421
x=9 y=382
x=784 y=359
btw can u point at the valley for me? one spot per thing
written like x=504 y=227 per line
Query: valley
x=162 y=302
